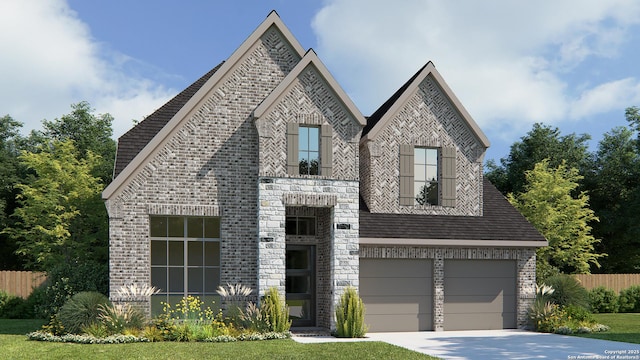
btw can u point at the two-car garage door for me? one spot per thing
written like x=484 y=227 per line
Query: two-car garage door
x=398 y=294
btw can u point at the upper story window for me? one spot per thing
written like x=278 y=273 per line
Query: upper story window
x=309 y=150
x=425 y=176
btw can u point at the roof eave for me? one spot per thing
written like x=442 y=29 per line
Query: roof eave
x=428 y=70
x=510 y=243
x=309 y=59
x=273 y=19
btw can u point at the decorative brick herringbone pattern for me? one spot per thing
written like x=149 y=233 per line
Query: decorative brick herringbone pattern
x=209 y=165
x=427 y=119
x=309 y=101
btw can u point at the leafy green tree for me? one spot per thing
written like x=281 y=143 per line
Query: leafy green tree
x=547 y=202
x=632 y=114
x=542 y=142
x=10 y=173
x=614 y=188
x=60 y=217
x=89 y=132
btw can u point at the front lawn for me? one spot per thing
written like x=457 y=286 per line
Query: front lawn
x=14 y=345
x=624 y=327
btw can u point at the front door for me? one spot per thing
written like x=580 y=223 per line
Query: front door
x=300 y=284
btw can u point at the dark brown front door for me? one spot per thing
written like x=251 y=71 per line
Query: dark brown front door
x=300 y=284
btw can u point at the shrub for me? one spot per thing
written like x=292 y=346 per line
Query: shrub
x=567 y=291
x=118 y=318
x=36 y=301
x=350 y=315
x=603 y=300
x=190 y=320
x=14 y=307
x=96 y=329
x=630 y=299
x=152 y=333
x=578 y=314
x=253 y=319
x=545 y=316
x=81 y=310
x=235 y=296
x=275 y=311
x=68 y=279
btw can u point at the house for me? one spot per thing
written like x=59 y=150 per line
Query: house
x=263 y=172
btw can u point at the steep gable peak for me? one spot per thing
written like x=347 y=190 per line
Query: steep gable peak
x=142 y=153
x=310 y=58
x=381 y=117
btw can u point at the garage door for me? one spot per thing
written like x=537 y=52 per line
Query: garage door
x=397 y=294
x=479 y=294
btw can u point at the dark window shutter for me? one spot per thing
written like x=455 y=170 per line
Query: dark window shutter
x=292 y=149
x=449 y=176
x=406 y=175
x=326 y=151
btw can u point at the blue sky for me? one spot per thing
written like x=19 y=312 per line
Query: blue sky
x=567 y=63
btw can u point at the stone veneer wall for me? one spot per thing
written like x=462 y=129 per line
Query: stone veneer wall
x=209 y=167
x=427 y=119
x=526 y=268
x=339 y=247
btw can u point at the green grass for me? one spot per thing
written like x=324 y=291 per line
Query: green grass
x=624 y=327
x=14 y=345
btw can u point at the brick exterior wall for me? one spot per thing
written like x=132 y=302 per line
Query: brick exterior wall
x=428 y=119
x=223 y=162
x=309 y=101
x=209 y=167
x=525 y=277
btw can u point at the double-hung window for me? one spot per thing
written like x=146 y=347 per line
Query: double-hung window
x=425 y=176
x=185 y=258
x=309 y=150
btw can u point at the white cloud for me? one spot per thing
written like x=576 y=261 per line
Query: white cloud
x=605 y=97
x=49 y=60
x=508 y=61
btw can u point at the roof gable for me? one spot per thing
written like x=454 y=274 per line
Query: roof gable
x=309 y=59
x=381 y=117
x=159 y=133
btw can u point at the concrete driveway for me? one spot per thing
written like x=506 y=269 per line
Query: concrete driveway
x=500 y=344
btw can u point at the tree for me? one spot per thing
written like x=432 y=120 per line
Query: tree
x=89 y=132
x=614 y=187
x=563 y=219
x=10 y=173
x=542 y=142
x=61 y=218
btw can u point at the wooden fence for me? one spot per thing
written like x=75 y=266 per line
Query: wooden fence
x=20 y=283
x=615 y=282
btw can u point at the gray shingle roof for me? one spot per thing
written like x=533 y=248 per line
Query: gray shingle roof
x=134 y=140
x=500 y=221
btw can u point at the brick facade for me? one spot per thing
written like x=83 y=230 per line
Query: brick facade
x=209 y=166
x=428 y=119
x=224 y=160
